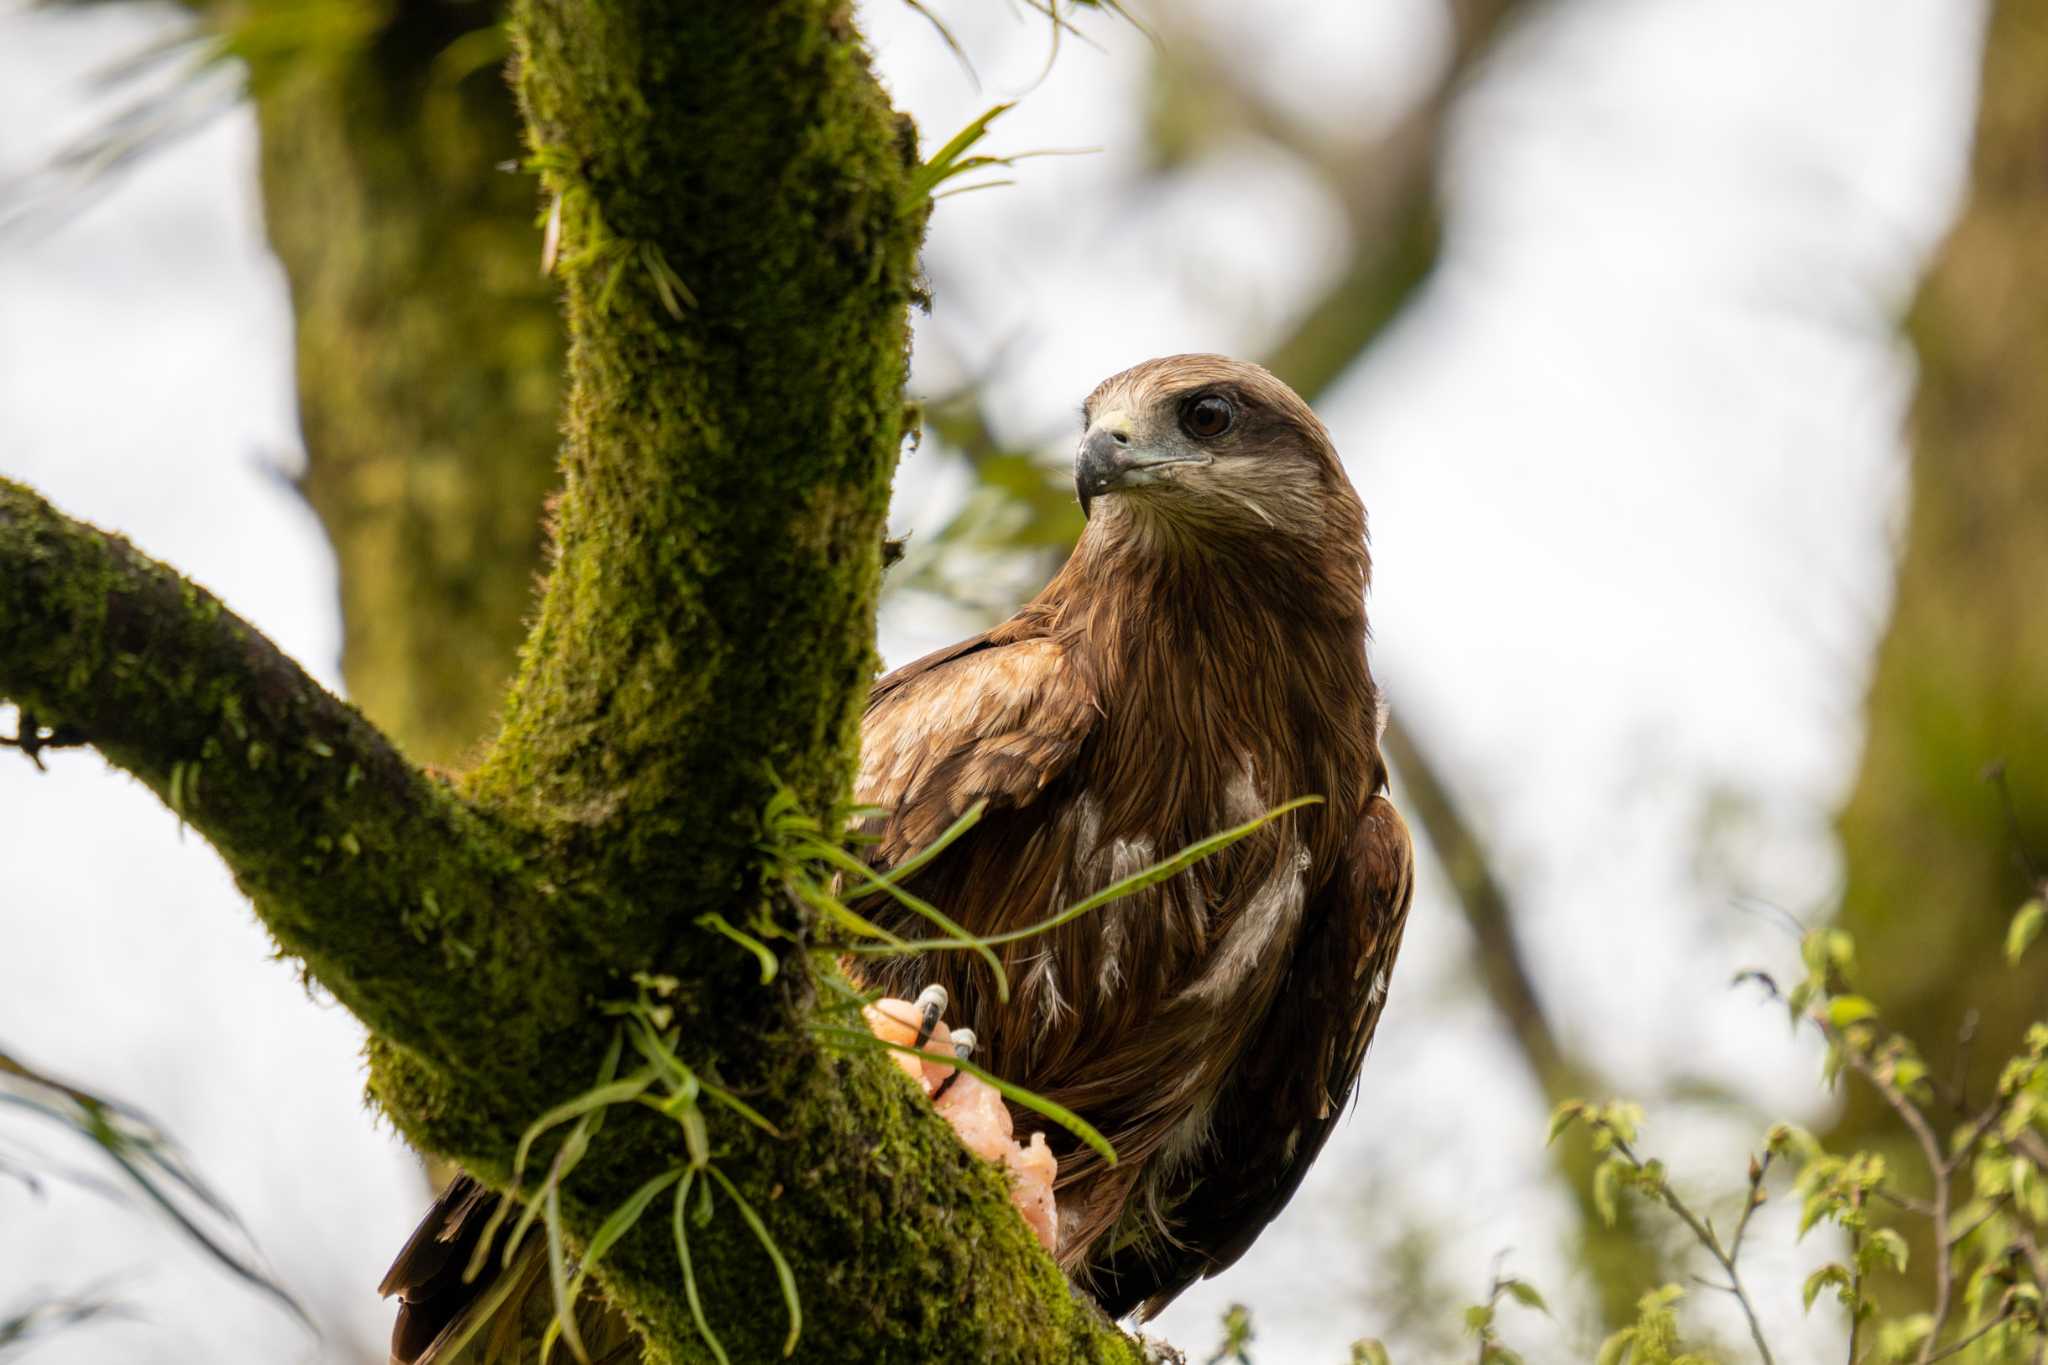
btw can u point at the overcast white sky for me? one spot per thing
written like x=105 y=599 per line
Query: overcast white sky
x=1633 y=469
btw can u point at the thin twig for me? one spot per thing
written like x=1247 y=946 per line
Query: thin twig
x=1937 y=1165
x=1855 y=1281
x=1958 y=1238
x=31 y=736
x=1757 y=1170
x=1704 y=1232
x=1967 y=1342
x=1905 y=1202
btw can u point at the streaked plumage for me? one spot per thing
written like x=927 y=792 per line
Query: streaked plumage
x=1199 y=660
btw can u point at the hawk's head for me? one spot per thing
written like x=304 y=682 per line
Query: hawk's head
x=1207 y=444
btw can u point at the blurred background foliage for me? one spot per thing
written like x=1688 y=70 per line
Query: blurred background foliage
x=428 y=361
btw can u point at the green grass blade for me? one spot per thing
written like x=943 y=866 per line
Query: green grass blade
x=558 y=1282
x=740 y=1107
x=567 y=1157
x=1136 y=882
x=969 y=818
x=598 y=1097
x=662 y=1058
x=955 y=932
x=831 y=907
x=682 y=1233
x=760 y=950
x=623 y=1219
x=783 y=1274
x=935 y=172
x=969 y=189
x=247 y=1273
x=845 y=999
x=1038 y=1104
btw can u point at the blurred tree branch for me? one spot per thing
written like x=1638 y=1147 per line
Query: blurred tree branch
x=1389 y=191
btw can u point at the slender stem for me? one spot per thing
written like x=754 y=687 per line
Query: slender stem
x=1855 y=1286
x=1967 y=1342
x=1704 y=1232
x=1937 y=1165
x=1755 y=1202
x=1956 y=1239
x=1905 y=1202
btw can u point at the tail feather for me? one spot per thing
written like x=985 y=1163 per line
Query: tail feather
x=498 y=1316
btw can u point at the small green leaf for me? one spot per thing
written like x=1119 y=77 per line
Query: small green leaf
x=1833 y=1273
x=622 y=1220
x=760 y=950
x=1525 y=1294
x=1887 y=1245
x=696 y=1135
x=2026 y=927
x=1845 y=1010
x=1563 y=1117
x=1371 y=1351
x=1606 y=1181
x=1478 y=1318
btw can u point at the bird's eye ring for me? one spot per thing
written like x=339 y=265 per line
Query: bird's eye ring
x=1207 y=416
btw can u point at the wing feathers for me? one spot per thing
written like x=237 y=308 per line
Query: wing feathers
x=1291 y=1083
x=985 y=721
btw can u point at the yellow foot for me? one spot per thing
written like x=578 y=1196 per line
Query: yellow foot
x=973 y=1106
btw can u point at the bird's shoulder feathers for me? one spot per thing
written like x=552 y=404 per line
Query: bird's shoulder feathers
x=994 y=718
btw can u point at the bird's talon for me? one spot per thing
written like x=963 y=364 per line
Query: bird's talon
x=963 y=1048
x=931 y=1006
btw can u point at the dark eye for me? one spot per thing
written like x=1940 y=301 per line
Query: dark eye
x=1207 y=417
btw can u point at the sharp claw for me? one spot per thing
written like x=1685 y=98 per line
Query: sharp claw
x=963 y=1048
x=931 y=1004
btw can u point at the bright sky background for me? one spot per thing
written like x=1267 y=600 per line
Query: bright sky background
x=1633 y=467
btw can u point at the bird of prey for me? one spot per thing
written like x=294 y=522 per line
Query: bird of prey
x=1199 y=661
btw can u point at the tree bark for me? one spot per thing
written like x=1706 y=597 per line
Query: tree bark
x=429 y=355
x=1935 y=866
x=1935 y=869
x=740 y=224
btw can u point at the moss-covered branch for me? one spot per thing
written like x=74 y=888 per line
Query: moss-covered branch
x=424 y=917
x=739 y=239
x=739 y=232
x=379 y=877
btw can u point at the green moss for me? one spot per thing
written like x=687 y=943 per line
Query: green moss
x=429 y=358
x=708 y=623
x=339 y=841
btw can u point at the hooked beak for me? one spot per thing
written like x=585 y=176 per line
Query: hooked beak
x=1107 y=461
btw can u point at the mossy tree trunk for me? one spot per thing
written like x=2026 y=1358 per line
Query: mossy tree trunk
x=1935 y=866
x=740 y=226
x=429 y=354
